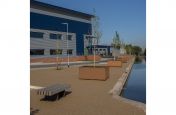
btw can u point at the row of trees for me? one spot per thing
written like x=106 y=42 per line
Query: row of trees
x=130 y=49
x=134 y=50
x=117 y=42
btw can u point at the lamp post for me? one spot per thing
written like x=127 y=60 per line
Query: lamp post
x=94 y=43
x=67 y=45
x=114 y=51
x=57 y=53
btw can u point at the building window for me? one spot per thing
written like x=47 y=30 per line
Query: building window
x=70 y=51
x=56 y=36
x=36 y=34
x=37 y=52
x=69 y=37
x=55 y=51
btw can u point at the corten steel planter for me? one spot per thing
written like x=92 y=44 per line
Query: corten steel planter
x=94 y=73
x=123 y=59
x=65 y=59
x=91 y=58
x=114 y=63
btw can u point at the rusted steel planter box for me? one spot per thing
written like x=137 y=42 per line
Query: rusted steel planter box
x=91 y=58
x=65 y=59
x=94 y=73
x=123 y=59
x=114 y=63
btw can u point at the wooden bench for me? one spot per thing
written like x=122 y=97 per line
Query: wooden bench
x=53 y=92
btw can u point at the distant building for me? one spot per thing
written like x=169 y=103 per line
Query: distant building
x=122 y=51
x=104 y=50
x=117 y=52
x=48 y=33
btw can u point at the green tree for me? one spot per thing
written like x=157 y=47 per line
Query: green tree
x=128 y=48
x=137 y=50
x=97 y=33
x=116 y=41
x=134 y=50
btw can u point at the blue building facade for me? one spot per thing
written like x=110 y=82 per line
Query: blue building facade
x=49 y=19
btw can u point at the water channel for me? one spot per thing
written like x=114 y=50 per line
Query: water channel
x=135 y=87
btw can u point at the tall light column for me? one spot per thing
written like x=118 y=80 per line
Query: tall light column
x=67 y=45
x=57 y=53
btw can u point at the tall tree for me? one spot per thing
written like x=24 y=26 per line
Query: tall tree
x=96 y=27
x=116 y=41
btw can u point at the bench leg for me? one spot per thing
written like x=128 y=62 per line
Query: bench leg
x=58 y=96
x=51 y=98
x=61 y=94
x=64 y=94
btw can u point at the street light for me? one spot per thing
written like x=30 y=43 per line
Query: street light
x=57 y=53
x=67 y=44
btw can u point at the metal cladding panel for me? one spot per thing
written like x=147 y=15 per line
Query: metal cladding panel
x=42 y=5
x=45 y=22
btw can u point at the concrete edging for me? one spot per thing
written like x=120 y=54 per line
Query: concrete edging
x=116 y=90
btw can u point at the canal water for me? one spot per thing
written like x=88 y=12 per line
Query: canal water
x=135 y=87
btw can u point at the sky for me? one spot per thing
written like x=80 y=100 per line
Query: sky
x=127 y=17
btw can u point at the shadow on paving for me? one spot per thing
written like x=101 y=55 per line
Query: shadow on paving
x=33 y=111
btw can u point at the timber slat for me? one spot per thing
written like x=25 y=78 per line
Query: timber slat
x=54 y=89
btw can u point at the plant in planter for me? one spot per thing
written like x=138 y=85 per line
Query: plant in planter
x=94 y=72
